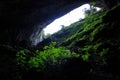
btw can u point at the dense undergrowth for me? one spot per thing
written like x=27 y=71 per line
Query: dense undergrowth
x=51 y=55
x=97 y=40
x=88 y=49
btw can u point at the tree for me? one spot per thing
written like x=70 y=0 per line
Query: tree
x=90 y=12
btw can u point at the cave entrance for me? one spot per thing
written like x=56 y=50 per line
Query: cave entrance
x=66 y=20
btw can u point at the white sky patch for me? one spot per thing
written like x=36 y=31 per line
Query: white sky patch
x=71 y=17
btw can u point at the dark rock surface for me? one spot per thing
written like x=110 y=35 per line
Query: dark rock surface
x=18 y=23
x=21 y=18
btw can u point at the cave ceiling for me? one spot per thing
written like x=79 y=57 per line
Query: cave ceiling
x=21 y=18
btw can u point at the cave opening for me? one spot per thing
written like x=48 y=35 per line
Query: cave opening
x=87 y=49
x=64 y=21
x=67 y=19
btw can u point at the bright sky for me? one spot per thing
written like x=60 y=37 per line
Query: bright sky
x=71 y=17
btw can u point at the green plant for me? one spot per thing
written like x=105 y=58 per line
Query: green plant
x=103 y=52
x=50 y=56
x=21 y=58
x=94 y=3
x=85 y=57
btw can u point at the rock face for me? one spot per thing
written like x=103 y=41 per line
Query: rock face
x=97 y=42
x=21 y=18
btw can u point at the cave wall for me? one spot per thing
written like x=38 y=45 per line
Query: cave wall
x=21 y=18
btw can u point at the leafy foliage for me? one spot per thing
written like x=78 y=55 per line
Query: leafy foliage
x=51 y=56
x=85 y=57
x=94 y=38
x=22 y=58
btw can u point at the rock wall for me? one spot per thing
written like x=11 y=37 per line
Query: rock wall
x=20 y=18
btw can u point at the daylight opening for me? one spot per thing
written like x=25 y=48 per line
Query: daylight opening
x=69 y=18
x=64 y=21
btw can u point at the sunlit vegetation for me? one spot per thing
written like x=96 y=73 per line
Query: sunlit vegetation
x=51 y=55
x=94 y=38
x=87 y=48
x=88 y=39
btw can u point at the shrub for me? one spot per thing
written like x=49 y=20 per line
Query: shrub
x=50 y=56
x=21 y=58
x=85 y=57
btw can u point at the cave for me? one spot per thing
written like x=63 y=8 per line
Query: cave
x=20 y=19
x=89 y=51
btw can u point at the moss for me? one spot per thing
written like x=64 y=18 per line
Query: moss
x=94 y=40
x=94 y=37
